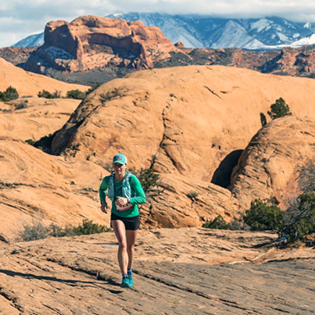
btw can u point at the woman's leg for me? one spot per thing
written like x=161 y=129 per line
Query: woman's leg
x=120 y=233
x=131 y=240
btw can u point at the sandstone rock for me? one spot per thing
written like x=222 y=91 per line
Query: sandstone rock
x=182 y=201
x=188 y=124
x=191 y=121
x=29 y=84
x=37 y=187
x=92 y=41
x=269 y=166
x=176 y=271
x=32 y=118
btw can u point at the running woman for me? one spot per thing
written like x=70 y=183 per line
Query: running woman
x=125 y=191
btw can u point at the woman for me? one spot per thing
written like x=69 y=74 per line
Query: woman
x=125 y=192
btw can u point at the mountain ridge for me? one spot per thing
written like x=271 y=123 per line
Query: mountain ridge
x=199 y=31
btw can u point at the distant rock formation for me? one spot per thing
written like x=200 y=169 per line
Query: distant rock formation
x=16 y=55
x=179 y=45
x=93 y=50
x=92 y=41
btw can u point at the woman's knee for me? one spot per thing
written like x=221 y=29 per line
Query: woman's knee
x=130 y=247
x=122 y=244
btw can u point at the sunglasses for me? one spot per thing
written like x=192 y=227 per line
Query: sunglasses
x=117 y=165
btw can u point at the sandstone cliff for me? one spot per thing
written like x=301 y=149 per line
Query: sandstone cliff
x=92 y=41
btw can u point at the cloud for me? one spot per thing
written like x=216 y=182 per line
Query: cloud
x=20 y=18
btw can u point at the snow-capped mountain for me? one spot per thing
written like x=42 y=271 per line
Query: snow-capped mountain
x=198 y=31
x=31 y=41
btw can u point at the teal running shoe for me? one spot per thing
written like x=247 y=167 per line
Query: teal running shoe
x=130 y=278
x=125 y=283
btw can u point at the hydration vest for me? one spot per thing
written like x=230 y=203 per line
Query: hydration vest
x=126 y=188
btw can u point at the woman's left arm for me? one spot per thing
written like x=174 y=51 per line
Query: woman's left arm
x=139 y=192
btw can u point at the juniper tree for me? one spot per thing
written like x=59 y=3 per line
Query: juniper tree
x=279 y=109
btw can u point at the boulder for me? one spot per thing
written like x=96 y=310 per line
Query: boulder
x=269 y=167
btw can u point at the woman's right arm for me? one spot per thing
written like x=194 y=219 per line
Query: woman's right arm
x=102 y=193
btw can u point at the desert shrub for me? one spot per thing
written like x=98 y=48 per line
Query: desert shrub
x=192 y=195
x=37 y=230
x=88 y=227
x=307 y=177
x=262 y=217
x=76 y=94
x=299 y=218
x=45 y=94
x=219 y=223
x=58 y=231
x=3 y=97
x=21 y=105
x=116 y=92
x=11 y=93
x=30 y=141
x=147 y=178
x=57 y=94
x=279 y=109
x=91 y=89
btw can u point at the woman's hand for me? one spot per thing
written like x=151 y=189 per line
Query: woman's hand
x=104 y=206
x=121 y=201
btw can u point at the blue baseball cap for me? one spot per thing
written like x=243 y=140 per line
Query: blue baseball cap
x=120 y=158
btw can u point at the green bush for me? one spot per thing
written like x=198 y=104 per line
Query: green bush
x=45 y=94
x=147 y=178
x=58 y=231
x=21 y=105
x=3 y=97
x=279 y=109
x=91 y=89
x=299 y=219
x=116 y=92
x=76 y=94
x=88 y=227
x=11 y=93
x=219 y=223
x=216 y=223
x=30 y=141
x=262 y=217
x=307 y=177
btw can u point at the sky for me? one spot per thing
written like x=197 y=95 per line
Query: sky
x=21 y=18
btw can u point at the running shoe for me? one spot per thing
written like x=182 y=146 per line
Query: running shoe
x=125 y=283
x=130 y=278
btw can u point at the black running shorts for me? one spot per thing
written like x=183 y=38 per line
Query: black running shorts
x=132 y=223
